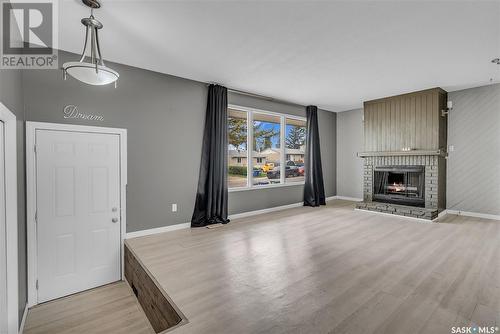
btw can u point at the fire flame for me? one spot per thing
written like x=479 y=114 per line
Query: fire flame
x=398 y=187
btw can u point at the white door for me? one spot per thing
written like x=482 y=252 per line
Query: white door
x=3 y=240
x=77 y=211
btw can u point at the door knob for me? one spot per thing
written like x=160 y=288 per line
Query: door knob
x=114 y=220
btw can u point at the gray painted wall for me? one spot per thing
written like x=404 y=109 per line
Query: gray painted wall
x=164 y=116
x=349 y=143
x=328 y=139
x=474 y=165
x=11 y=95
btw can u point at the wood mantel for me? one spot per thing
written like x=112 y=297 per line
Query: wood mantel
x=401 y=153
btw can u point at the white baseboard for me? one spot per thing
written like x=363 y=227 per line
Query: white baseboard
x=442 y=214
x=157 y=230
x=421 y=220
x=289 y=206
x=175 y=227
x=23 y=320
x=347 y=198
x=473 y=214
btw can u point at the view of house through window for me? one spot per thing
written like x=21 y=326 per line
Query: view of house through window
x=266 y=145
x=295 y=149
x=237 y=150
x=271 y=135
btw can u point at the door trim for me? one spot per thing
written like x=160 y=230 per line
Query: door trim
x=10 y=151
x=31 y=128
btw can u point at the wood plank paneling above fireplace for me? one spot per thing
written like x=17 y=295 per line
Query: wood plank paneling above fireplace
x=411 y=121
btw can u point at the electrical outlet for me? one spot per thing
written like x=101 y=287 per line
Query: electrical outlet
x=174 y=207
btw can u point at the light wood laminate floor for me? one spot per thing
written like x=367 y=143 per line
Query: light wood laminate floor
x=108 y=309
x=330 y=270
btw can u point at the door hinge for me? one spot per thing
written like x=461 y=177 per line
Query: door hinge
x=37 y=284
x=34 y=148
x=36 y=216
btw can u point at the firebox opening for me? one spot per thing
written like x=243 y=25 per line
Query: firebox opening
x=399 y=185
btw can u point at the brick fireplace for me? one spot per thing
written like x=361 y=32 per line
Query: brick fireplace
x=404 y=169
x=431 y=170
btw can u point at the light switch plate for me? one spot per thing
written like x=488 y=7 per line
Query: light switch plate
x=451 y=148
x=174 y=207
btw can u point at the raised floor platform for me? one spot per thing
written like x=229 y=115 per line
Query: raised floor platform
x=303 y=270
x=329 y=270
x=157 y=305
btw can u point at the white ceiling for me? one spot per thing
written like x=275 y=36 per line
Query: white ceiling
x=332 y=54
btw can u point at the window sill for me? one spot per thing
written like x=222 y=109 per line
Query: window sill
x=280 y=185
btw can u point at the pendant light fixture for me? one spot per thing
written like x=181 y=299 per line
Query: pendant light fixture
x=93 y=72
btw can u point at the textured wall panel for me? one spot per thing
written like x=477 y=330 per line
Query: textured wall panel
x=474 y=165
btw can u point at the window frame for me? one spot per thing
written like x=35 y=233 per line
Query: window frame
x=250 y=116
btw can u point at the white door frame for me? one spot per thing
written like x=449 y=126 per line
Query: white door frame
x=31 y=128
x=10 y=150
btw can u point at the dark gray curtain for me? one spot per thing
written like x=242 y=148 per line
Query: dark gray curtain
x=211 y=197
x=314 y=190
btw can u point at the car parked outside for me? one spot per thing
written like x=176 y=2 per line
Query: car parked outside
x=300 y=165
x=268 y=166
x=291 y=170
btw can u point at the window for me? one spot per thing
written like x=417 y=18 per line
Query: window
x=277 y=143
x=295 y=149
x=237 y=149
x=266 y=141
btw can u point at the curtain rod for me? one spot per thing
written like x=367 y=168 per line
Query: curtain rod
x=267 y=98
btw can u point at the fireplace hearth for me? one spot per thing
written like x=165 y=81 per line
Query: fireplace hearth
x=404 y=185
